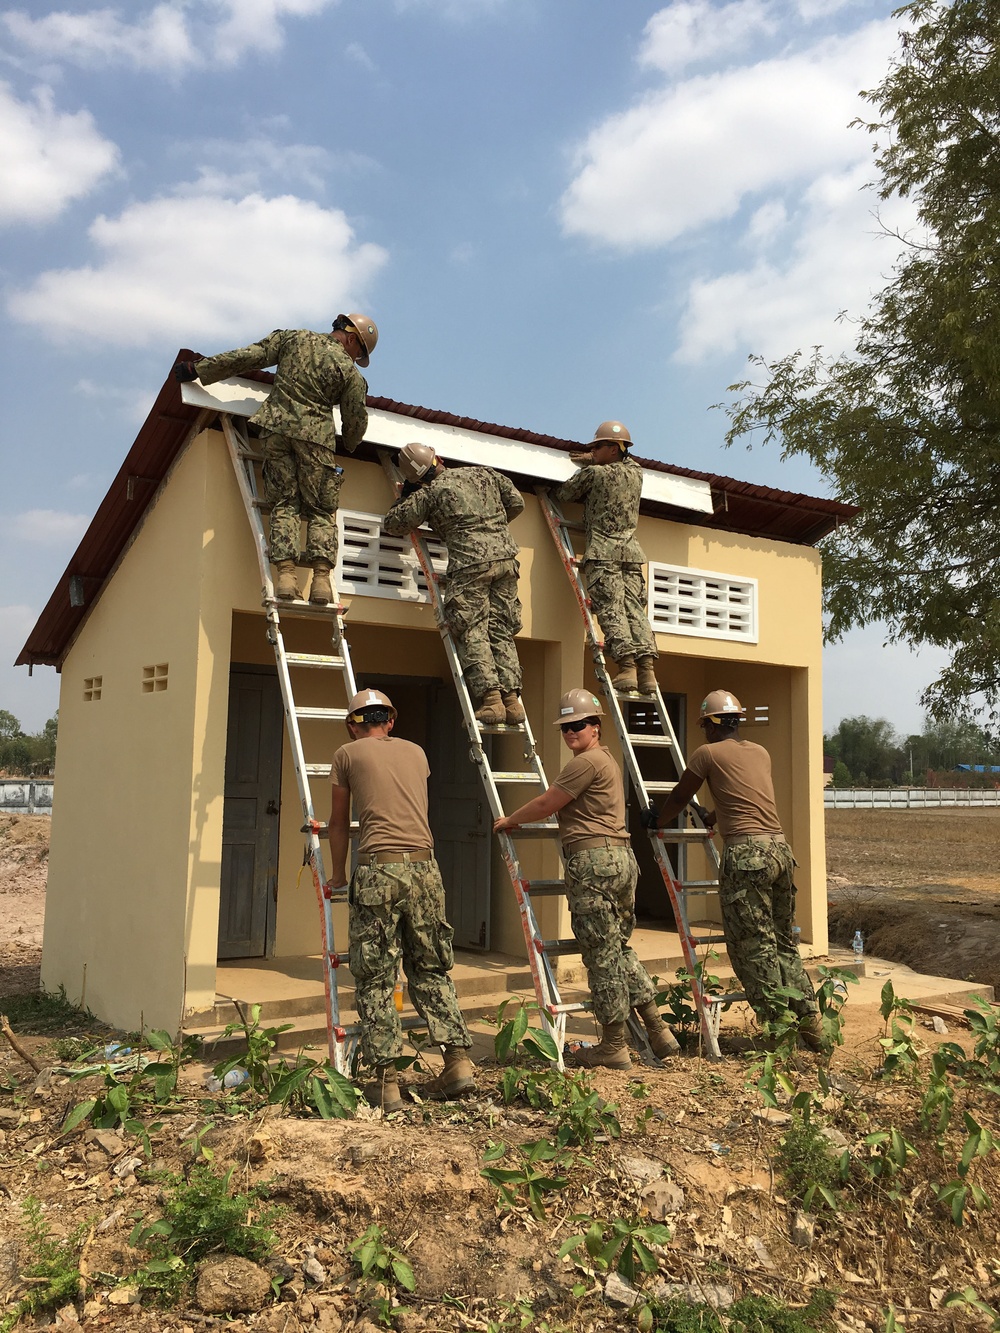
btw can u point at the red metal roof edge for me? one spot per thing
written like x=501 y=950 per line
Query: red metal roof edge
x=760 y=511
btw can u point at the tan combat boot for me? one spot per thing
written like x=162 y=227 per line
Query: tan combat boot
x=661 y=1040
x=321 y=592
x=491 y=711
x=513 y=708
x=645 y=670
x=384 y=1091
x=285 y=585
x=609 y=1053
x=811 y=1032
x=624 y=680
x=457 y=1077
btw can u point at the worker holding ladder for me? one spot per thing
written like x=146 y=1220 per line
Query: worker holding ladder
x=588 y=800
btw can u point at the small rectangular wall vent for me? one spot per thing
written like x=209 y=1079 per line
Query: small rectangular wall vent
x=154 y=678
x=92 y=687
x=373 y=564
x=701 y=603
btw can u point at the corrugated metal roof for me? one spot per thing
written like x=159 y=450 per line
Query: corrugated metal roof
x=758 y=511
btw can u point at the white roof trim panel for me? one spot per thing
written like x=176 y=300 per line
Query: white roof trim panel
x=457 y=444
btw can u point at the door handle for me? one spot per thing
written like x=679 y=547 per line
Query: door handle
x=272 y=807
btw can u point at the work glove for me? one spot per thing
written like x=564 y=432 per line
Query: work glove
x=185 y=372
x=581 y=456
x=409 y=488
x=707 y=817
x=650 y=817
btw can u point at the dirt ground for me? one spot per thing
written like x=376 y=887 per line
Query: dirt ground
x=698 y=1152
x=922 y=886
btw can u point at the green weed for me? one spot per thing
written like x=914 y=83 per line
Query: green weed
x=811 y=1172
x=382 y=1269
x=53 y=1272
x=622 y=1244
x=527 y=1183
x=44 y=1013
x=750 y=1314
x=516 y=1036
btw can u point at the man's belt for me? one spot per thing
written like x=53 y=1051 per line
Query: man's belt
x=737 y=838
x=394 y=858
x=587 y=844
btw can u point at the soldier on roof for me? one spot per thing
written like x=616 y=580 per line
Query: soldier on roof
x=470 y=508
x=609 y=483
x=298 y=438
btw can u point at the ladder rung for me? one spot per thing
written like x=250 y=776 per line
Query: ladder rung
x=501 y=729
x=323 y=829
x=701 y=884
x=262 y=506
x=314 y=660
x=321 y=714
x=683 y=834
x=572 y=1007
x=734 y=997
x=662 y=787
x=300 y=607
x=533 y=831
x=556 y=948
x=254 y=455
x=708 y=939
x=516 y=777
x=318 y=770
x=546 y=888
x=638 y=738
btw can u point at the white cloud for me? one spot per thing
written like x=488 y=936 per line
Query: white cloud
x=356 y=52
x=130 y=403
x=204 y=270
x=694 y=30
x=831 y=256
x=694 y=152
x=47 y=157
x=231 y=167
x=163 y=38
x=45 y=527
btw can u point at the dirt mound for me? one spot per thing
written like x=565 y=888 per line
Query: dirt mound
x=24 y=866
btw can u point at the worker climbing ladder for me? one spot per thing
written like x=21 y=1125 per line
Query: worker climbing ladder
x=642 y=721
x=341 y=1039
x=541 y=952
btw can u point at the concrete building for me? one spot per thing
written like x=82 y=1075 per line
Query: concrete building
x=175 y=838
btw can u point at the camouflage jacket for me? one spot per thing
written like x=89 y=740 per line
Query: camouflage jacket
x=469 y=509
x=313 y=373
x=610 y=494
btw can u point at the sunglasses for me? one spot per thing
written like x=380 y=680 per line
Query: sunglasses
x=575 y=726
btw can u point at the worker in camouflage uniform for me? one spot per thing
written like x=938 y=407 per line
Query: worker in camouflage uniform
x=588 y=800
x=298 y=437
x=395 y=900
x=469 y=508
x=609 y=483
x=756 y=885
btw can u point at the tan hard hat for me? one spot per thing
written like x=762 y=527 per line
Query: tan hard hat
x=721 y=703
x=366 y=700
x=367 y=331
x=416 y=460
x=575 y=705
x=612 y=432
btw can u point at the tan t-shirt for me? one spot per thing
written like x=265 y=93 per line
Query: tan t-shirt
x=739 y=775
x=387 y=779
x=597 y=809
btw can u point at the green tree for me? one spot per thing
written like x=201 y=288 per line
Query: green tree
x=868 y=746
x=841 y=776
x=908 y=425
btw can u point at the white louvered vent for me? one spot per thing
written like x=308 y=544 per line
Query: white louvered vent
x=373 y=564
x=698 y=602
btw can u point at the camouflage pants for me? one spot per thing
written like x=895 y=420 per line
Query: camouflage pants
x=618 y=600
x=600 y=886
x=397 y=911
x=484 y=614
x=301 y=481
x=757 y=893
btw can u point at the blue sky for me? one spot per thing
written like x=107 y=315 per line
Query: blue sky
x=557 y=213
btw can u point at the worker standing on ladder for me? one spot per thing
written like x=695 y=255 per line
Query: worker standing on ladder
x=395 y=900
x=609 y=483
x=588 y=800
x=756 y=886
x=298 y=438
x=470 y=508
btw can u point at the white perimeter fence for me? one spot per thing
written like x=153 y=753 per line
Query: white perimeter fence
x=25 y=796
x=906 y=798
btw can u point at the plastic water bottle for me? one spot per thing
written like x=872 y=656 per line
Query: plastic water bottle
x=796 y=936
x=858 y=945
x=233 y=1079
x=397 y=995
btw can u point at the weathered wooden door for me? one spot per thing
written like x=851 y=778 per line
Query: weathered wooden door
x=460 y=821
x=250 y=813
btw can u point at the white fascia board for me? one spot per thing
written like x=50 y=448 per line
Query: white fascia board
x=456 y=444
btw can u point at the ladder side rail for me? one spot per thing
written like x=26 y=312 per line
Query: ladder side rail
x=246 y=479
x=543 y=976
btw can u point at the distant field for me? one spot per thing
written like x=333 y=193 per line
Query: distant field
x=904 y=847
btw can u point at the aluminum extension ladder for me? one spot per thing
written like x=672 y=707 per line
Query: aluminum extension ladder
x=341 y=1039
x=540 y=951
x=661 y=736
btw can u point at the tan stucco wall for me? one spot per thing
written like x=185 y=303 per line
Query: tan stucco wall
x=132 y=916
